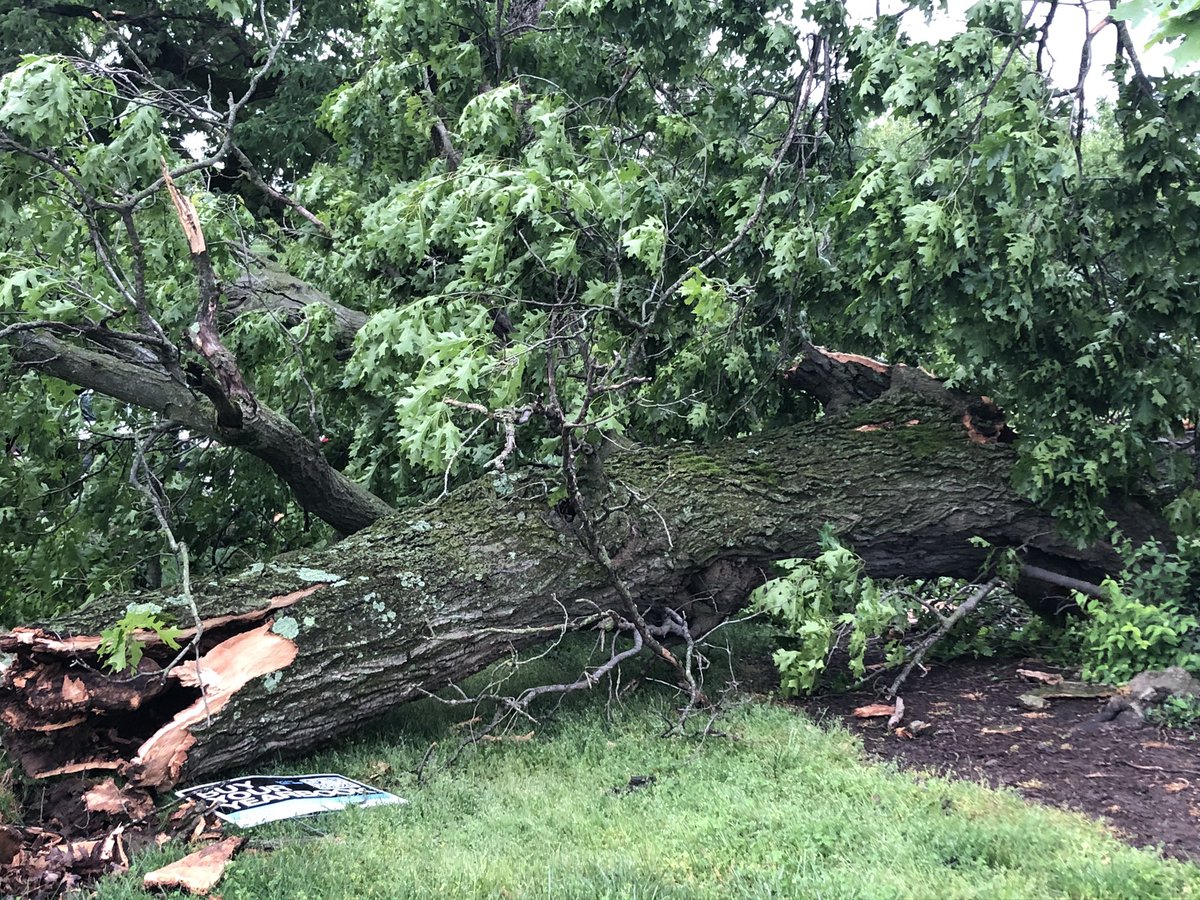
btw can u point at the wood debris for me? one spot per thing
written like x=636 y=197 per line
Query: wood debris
x=897 y=715
x=197 y=872
x=106 y=797
x=875 y=711
x=1041 y=677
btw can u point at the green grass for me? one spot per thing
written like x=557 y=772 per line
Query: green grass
x=783 y=808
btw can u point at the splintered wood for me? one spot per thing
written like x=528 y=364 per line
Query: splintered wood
x=63 y=712
x=219 y=674
x=197 y=872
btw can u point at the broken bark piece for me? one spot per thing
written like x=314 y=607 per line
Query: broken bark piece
x=1040 y=677
x=87 y=765
x=1073 y=690
x=197 y=872
x=107 y=797
x=874 y=711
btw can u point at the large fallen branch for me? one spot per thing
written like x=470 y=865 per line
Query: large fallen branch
x=301 y=650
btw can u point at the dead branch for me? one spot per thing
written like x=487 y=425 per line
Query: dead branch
x=947 y=624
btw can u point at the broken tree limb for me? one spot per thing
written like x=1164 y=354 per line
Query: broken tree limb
x=842 y=381
x=272 y=437
x=944 y=629
x=311 y=646
x=265 y=288
x=1039 y=573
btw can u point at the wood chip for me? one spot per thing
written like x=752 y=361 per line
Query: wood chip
x=106 y=797
x=186 y=808
x=1176 y=786
x=1041 y=677
x=874 y=711
x=897 y=716
x=1002 y=729
x=197 y=872
x=1035 y=715
x=73 y=691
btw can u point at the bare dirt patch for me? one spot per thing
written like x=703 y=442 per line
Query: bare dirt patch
x=1144 y=782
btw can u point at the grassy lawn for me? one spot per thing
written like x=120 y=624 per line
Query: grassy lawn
x=782 y=808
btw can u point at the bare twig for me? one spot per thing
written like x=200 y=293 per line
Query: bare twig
x=948 y=623
x=142 y=477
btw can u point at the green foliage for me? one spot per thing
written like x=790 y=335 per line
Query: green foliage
x=817 y=603
x=649 y=187
x=1004 y=628
x=1176 y=711
x=1147 y=618
x=1173 y=20
x=120 y=647
x=555 y=199
x=980 y=240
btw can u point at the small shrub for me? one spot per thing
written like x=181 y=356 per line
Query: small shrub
x=1176 y=712
x=1141 y=623
x=818 y=603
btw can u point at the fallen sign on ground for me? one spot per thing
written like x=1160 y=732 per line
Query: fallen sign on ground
x=258 y=799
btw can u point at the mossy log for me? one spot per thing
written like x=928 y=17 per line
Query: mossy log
x=308 y=647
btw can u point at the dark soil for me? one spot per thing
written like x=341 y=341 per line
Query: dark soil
x=1144 y=782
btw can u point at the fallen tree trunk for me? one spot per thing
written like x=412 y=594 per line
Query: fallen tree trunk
x=306 y=648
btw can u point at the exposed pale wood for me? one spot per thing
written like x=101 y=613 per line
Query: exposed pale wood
x=218 y=675
x=197 y=872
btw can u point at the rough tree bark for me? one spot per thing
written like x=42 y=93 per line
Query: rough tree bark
x=311 y=646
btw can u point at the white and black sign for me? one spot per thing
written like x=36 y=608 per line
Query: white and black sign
x=256 y=799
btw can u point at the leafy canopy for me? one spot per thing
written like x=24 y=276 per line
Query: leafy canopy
x=626 y=214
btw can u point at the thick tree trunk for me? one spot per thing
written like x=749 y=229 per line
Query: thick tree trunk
x=309 y=647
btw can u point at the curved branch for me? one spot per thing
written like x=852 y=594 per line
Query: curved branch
x=265 y=434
